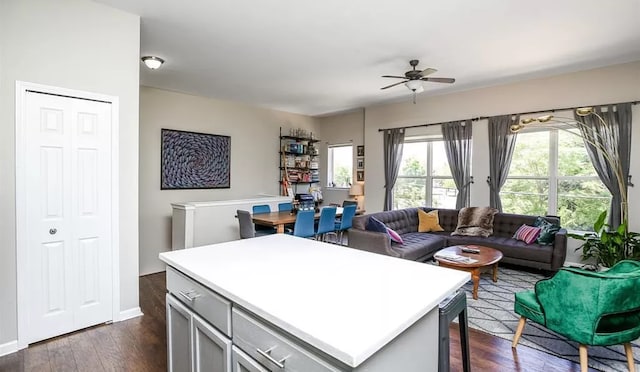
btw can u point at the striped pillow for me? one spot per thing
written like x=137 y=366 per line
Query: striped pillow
x=527 y=234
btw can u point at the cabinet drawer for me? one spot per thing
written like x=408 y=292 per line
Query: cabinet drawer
x=273 y=349
x=213 y=308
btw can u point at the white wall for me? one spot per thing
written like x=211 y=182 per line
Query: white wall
x=76 y=44
x=254 y=157
x=599 y=86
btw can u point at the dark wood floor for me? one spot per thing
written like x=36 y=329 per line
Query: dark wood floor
x=140 y=345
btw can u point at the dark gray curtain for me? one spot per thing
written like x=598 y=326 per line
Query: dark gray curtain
x=457 y=144
x=393 y=145
x=615 y=139
x=501 y=145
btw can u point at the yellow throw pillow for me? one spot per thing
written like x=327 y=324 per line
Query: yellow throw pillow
x=428 y=222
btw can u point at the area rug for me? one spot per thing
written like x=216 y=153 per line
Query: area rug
x=493 y=313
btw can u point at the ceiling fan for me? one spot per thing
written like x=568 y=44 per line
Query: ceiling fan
x=413 y=78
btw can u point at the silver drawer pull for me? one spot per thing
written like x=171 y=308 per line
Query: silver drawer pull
x=267 y=354
x=190 y=296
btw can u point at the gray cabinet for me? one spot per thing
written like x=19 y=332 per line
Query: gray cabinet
x=211 y=349
x=178 y=336
x=194 y=344
x=243 y=363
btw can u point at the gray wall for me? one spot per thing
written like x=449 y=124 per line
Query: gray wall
x=347 y=128
x=254 y=157
x=76 y=44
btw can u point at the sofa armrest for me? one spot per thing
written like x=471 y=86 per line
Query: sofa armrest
x=559 y=250
x=371 y=241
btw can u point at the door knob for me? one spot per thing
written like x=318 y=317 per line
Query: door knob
x=53 y=231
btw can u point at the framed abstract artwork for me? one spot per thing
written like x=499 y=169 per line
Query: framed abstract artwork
x=191 y=160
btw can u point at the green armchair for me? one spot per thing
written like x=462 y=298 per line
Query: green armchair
x=591 y=308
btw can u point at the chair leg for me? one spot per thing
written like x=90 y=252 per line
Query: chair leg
x=519 y=330
x=629 y=351
x=584 y=359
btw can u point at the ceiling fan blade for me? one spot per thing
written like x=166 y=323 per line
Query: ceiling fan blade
x=393 y=76
x=440 y=80
x=428 y=71
x=393 y=85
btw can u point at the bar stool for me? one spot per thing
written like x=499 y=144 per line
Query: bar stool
x=449 y=309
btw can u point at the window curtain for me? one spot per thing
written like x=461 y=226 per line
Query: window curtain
x=502 y=142
x=457 y=140
x=393 y=143
x=615 y=138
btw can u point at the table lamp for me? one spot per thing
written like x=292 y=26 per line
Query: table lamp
x=357 y=189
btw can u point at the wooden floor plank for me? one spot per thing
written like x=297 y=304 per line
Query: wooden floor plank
x=12 y=362
x=84 y=352
x=60 y=355
x=109 y=354
x=36 y=358
x=139 y=345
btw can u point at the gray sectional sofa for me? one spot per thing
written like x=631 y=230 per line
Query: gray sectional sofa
x=422 y=246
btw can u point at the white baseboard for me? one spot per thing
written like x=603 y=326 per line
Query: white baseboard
x=8 y=348
x=129 y=314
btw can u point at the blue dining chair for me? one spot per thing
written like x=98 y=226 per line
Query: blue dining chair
x=259 y=209
x=326 y=223
x=345 y=221
x=285 y=207
x=262 y=208
x=304 y=224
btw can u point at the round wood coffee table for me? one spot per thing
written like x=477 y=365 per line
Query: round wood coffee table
x=487 y=258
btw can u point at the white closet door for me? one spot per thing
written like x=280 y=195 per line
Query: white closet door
x=68 y=188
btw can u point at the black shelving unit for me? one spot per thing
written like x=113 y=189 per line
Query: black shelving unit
x=299 y=162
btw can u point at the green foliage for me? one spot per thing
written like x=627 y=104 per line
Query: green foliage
x=579 y=200
x=342 y=176
x=413 y=167
x=607 y=247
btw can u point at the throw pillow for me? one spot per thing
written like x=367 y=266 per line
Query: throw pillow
x=394 y=236
x=428 y=221
x=548 y=231
x=527 y=234
x=475 y=221
x=376 y=225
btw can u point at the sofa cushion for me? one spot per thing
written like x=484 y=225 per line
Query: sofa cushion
x=395 y=236
x=527 y=234
x=475 y=221
x=376 y=225
x=508 y=246
x=428 y=221
x=548 y=231
x=419 y=245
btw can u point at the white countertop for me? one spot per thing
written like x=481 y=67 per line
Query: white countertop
x=345 y=302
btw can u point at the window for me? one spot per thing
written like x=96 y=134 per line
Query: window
x=424 y=177
x=551 y=173
x=340 y=166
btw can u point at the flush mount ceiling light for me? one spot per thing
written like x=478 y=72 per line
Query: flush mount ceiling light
x=152 y=62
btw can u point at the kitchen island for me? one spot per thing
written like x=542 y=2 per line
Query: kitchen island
x=289 y=304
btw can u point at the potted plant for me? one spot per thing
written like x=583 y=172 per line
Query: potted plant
x=607 y=247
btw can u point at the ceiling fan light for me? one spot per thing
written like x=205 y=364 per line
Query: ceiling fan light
x=415 y=86
x=152 y=62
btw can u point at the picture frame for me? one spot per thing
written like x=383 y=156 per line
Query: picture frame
x=360 y=176
x=192 y=160
x=360 y=163
x=360 y=150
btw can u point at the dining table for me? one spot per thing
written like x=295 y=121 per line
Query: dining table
x=280 y=219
